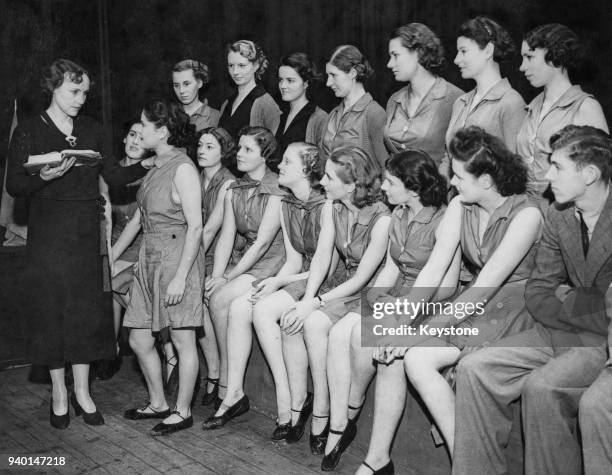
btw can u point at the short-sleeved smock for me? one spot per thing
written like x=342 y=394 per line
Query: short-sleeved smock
x=257 y=108
x=534 y=135
x=361 y=125
x=164 y=227
x=505 y=313
x=351 y=244
x=204 y=117
x=249 y=201
x=303 y=225
x=209 y=199
x=426 y=129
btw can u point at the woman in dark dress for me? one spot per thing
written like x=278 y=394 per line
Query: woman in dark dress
x=250 y=104
x=69 y=320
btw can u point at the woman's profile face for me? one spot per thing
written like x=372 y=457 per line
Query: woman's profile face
x=470 y=58
x=291 y=168
x=70 y=96
x=186 y=86
x=151 y=137
x=338 y=81
x=209 y=151
x=403 y=62
x=290 y=84
x=467 y=185
x=396 y=191
x=534 y=66
x=249 y=156
x=241 y=70
x=133 y=142
x=335 y=188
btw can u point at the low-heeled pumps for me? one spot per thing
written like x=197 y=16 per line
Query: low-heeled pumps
x=90 y=418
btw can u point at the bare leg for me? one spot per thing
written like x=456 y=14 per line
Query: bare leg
x=184 y=341
x=117 y=309
x=423 y=365
x=59 y=393
x=219 y=307
x=266 y=315
x=143 y=344
x=316 y=330
x=80 y=373
x=208 y=343
x=388 y=407
x=240 y=334
x=171 y=359
x=296 y=363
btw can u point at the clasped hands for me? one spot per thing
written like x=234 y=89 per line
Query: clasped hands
x=49 y=173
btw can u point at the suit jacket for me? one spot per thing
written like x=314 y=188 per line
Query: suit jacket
x=580 y=319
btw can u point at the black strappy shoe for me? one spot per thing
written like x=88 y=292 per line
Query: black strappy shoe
x=330 y=460
x=297 y=431
x=318 y=441
x=388 y=469
x=164 y=429
x=209 y=398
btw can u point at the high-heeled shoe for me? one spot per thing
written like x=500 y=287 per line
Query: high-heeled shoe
x=209 y=397
x=90 y=418
x=163 y=428
x=388 y=469
x=330 y=460
x=235 y=410
x=297 y=431
x=59 y=422
x=318 y=441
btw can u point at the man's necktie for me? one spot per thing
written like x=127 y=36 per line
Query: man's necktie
x=584 y=231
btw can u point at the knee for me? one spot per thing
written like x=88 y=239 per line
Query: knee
x=337 y=336
x=416 y=367
x=138 y=344
x=472 y=366
x=262 y=316
x=316 y=327
x=240 y=309
x=537 y=390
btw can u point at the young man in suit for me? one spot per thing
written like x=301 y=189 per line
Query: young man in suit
x=551 y=365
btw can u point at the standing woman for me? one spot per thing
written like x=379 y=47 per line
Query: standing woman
x=69 y=321
x=251 y=211
x=301 y=119
x=166 y=294
x=361 y=222
x=250 y=104
x=216 y=151
x=418 y=114
x=188 y=79
x=492 y=105
x=549 y=52
x=358 y=120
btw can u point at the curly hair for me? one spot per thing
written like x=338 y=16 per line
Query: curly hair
x=313 y=162
x=126 y=129
x=418 y=37
x=563 y=48
x=264 y=138
x=483 y=153
x=484 y=30
x=251 y=51
x=419 y=173
x=347 y=57
x=226 y=142
x=585 y=145
x=302 y=65
x=53 y=75
x=200 y=70
x=171 y=115
x=354 y=166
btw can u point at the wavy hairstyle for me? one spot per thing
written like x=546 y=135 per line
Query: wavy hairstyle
x=563 y=49
x=483 y=30
x=251 y=51
x=53 y=75
x=483 y=153
x=419 y=173
x=313 y=162
x=347 y=57
x=354 y=166
x=418 y=37
x=226 y=143
x=200 y=70
x=264 y=138
x=171 y=115
x=585 y=145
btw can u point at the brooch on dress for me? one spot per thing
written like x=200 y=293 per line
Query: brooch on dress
x=72 y=140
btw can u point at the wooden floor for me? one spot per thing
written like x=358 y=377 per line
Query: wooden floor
x=121 y=446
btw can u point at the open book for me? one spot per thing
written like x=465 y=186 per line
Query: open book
x=53 y=159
